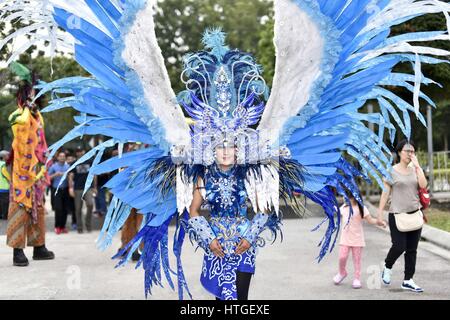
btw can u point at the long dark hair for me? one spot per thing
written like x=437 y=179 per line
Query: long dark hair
x=401 y=145
x=24 y=91
x=360 y=206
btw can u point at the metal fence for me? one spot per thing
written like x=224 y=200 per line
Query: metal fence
x=440 y=180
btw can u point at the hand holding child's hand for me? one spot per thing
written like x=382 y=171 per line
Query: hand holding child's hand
x=381 y=223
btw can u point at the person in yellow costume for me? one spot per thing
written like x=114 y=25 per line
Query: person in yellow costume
x=26 y=214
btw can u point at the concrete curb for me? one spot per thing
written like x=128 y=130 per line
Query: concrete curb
x=430 y=234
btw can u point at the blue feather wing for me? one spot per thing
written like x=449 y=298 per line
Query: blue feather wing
x=113 y=101
x=118 y=102
x=329 y=133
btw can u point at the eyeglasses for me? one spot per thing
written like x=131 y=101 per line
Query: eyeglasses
x=409 y=151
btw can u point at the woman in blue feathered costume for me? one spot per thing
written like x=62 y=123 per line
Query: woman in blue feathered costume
x=221 y=136
x=229 y=239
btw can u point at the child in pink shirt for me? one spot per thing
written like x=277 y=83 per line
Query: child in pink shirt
x=352 y=239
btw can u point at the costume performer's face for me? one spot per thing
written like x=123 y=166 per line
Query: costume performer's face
x=226 y=154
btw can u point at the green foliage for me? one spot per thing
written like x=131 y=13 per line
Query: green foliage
x=5 y=30
x=439 y=218
x=432 y=22
x=440 y=73
x=180 y=25
x=57 y=123
x=441 y=161
x=7 y=106
x=266 y=51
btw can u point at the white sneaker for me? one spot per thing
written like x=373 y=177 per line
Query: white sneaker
x=356 y=284
x=339 y=278
x=386 y=276
x=411 y=286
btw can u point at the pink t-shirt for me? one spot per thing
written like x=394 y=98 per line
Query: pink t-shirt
x=352 y=234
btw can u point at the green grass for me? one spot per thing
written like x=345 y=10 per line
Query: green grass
x=439 y=219
x=441 y=171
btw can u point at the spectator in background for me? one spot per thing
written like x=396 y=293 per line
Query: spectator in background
x=402 y=190
x=77 y=180
x=49 y=188
x=4 y=185
x=114 y=153
x=70 y=159
x=100 y=199
x=61 y=194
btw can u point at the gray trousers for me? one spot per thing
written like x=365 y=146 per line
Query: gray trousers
x=89 y=200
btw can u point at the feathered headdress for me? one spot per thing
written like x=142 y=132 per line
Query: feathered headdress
x=21 y=71
x=225 y=96
x=28 y=80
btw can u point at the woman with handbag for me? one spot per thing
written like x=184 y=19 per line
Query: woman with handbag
x=405 y=216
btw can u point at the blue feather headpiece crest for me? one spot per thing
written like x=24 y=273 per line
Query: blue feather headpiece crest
x=224 y=95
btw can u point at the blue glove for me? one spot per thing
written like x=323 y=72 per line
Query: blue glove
x=202 y=231
x=258 y=224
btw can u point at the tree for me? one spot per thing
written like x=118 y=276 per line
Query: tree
x=7 y=105
x=266 y=51
x=57 y=123
x=180 y=24
x=440 y=73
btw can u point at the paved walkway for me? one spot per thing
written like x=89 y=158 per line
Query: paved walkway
x=285 y=270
